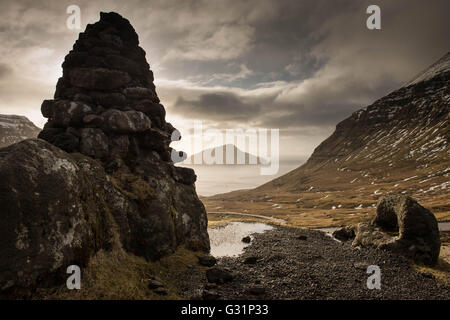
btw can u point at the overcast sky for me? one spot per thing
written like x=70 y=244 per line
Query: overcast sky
x=300 y=66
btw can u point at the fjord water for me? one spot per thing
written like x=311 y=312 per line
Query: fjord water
x=227 y=240
x=215 y=179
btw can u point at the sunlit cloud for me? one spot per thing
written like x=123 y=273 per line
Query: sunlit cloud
x=300 y=66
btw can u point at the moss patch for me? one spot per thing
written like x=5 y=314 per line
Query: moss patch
x=441 y=271
x=131 y=185
x=118 y=275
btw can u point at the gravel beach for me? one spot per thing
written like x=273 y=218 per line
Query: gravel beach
x=291 y=263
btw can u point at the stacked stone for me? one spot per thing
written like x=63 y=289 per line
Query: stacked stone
x=105 y=104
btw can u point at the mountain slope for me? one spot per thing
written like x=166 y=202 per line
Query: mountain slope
x=400 y=143
x=404 y=133
x=14 y=129
x=407 y=131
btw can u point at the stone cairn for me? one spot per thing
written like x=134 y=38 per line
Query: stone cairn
x=105 y=104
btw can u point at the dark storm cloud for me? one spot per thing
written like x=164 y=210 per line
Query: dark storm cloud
x=288 y=64
x=220 y=106
x=271 y=38
x=320 y=101
x=322 y=63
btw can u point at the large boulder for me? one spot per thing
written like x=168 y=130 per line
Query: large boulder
x=59 y=209
x=219 y=275
x=345 y=233
x=116 y=179
x=64 y=113
x=94 y=143
x=125 y=121
x=140 y=93
x=418 y=232
x=98 y=79
x=107 y=84
x=53 y=214
x=109 y=100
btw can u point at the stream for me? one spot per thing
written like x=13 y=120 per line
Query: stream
x=227 y=240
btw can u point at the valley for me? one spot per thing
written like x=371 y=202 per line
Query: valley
x=397 y=145
x=101 y=193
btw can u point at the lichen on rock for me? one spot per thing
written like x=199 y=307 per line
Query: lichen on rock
x=103 y=174
x=417 y=227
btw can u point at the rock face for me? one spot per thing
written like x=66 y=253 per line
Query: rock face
x=14 y=129
x=418 y=233
x=207 y=260
x=105 y=104
x=53 y=212
x=345 y=233
x=219 y=275
x=104 y=172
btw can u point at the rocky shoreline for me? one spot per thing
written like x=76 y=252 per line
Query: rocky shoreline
x=291 y=263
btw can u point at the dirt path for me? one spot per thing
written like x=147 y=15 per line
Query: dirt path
x=289 y=266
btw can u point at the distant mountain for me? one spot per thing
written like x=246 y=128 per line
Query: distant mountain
x=400 y=143
x=14 y=129
x=236 y=153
